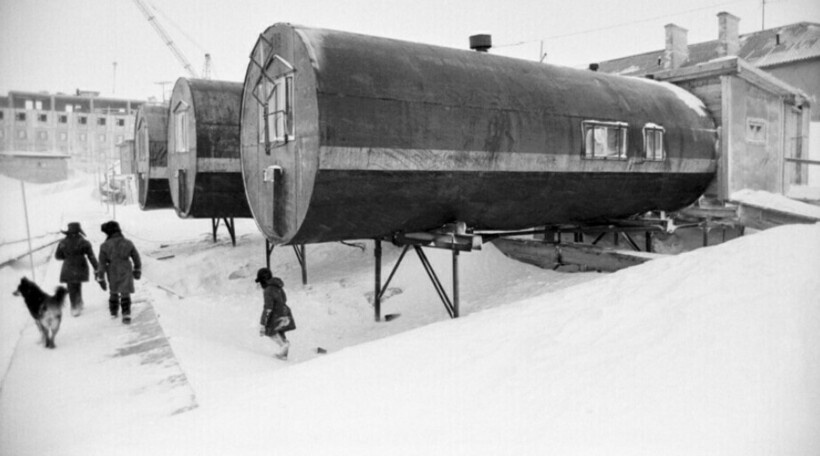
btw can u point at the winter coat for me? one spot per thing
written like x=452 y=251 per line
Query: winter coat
x=73 y=251
x=116 y=257
x=275 y=308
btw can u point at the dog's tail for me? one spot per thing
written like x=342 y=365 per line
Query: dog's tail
x=59 y=295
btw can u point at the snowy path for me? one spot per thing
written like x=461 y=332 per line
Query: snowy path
x=102 y=376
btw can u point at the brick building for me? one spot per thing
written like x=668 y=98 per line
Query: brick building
x=84 y=126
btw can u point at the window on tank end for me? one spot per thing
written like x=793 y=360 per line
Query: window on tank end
x=653 y=142
x=604 y=140
x=181 y=127
x=276 y=115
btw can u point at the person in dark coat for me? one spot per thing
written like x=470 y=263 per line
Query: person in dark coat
x=120 y=263
x=277 y=319
x=75 y=252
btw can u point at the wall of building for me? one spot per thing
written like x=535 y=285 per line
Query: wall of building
x=753 y=132
x=805 y=76
x=86 y=129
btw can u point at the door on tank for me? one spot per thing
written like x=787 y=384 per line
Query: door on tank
x=273 y=92
x=182 y=189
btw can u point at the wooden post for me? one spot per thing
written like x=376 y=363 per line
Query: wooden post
x=28 y=231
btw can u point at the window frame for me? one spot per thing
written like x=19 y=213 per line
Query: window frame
x=181 y=133
x=659 y=132
x=758 y=135
x=591 y=126
x=275 y=124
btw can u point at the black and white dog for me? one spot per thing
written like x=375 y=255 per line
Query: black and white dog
x=46 y=310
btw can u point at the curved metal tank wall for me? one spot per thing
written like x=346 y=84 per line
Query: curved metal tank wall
x=392 y=136
x=203 y=149
x=151 y=150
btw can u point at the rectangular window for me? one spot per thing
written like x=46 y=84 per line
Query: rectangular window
x=181 y=128
x=42 y=135
x=20 y=116
x=2 y=115
x=604 y=140
x=42 y=117
x=101 y=121
x=101 y=137
x=21 y=134
x=62 y=118
x=2 y=133
x=119 y=139
x=120 y=122
x=756 y=130
x=276 y=122
x=653 y=142
x=83 y=120
x=63 y=136
x=38 y=105
x=29 y=105
x=83 y=137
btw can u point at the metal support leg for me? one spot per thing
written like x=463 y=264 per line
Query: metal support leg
x=377 y=299
x=231 y=226
x=630 y=241
x=214 y=226
x=455 y=284
x=268 y=251
x=300 y=255
x=377 y=294
x=648 y=239
x=436 y=282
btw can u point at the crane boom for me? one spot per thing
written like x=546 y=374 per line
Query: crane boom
x=165 y=38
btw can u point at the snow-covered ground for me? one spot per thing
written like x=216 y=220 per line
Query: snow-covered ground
x=715 y=351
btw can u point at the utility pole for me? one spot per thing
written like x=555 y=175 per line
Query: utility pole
x=114 y=81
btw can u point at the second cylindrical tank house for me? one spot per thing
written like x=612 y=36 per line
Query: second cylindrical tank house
x=151 y=150
x=347 y=136
x=203 y=150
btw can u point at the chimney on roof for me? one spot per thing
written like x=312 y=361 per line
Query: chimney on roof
x=676 y=51
x=481 y=42
x=727 y=34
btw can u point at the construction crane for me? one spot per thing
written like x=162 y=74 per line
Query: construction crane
x=166 y=39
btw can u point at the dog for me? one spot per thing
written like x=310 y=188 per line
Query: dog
x=46 y=310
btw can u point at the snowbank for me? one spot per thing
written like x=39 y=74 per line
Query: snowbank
x=716 y=351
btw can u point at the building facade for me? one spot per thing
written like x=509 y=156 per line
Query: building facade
x=83 y=126
x=762 y=89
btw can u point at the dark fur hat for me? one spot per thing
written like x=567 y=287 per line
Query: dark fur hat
x=263 y=275
x=110 y=228
x=74 y=228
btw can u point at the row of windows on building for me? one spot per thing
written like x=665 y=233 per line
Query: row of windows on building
x=63 y=119
x=22 y=134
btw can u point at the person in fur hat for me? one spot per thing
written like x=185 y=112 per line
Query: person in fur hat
x=120 y=263
x=75 y=252
x=277 y=319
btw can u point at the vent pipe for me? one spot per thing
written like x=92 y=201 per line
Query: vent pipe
x=481 y=42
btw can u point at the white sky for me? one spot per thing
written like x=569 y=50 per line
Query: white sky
x=62 y=45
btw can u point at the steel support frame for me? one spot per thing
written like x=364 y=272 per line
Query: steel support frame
x=229 y=224
x=301 y=255
x=451 y=305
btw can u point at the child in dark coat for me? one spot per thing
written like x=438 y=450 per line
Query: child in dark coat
x=277 y=318
x=120 y=263
x=75 y=252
